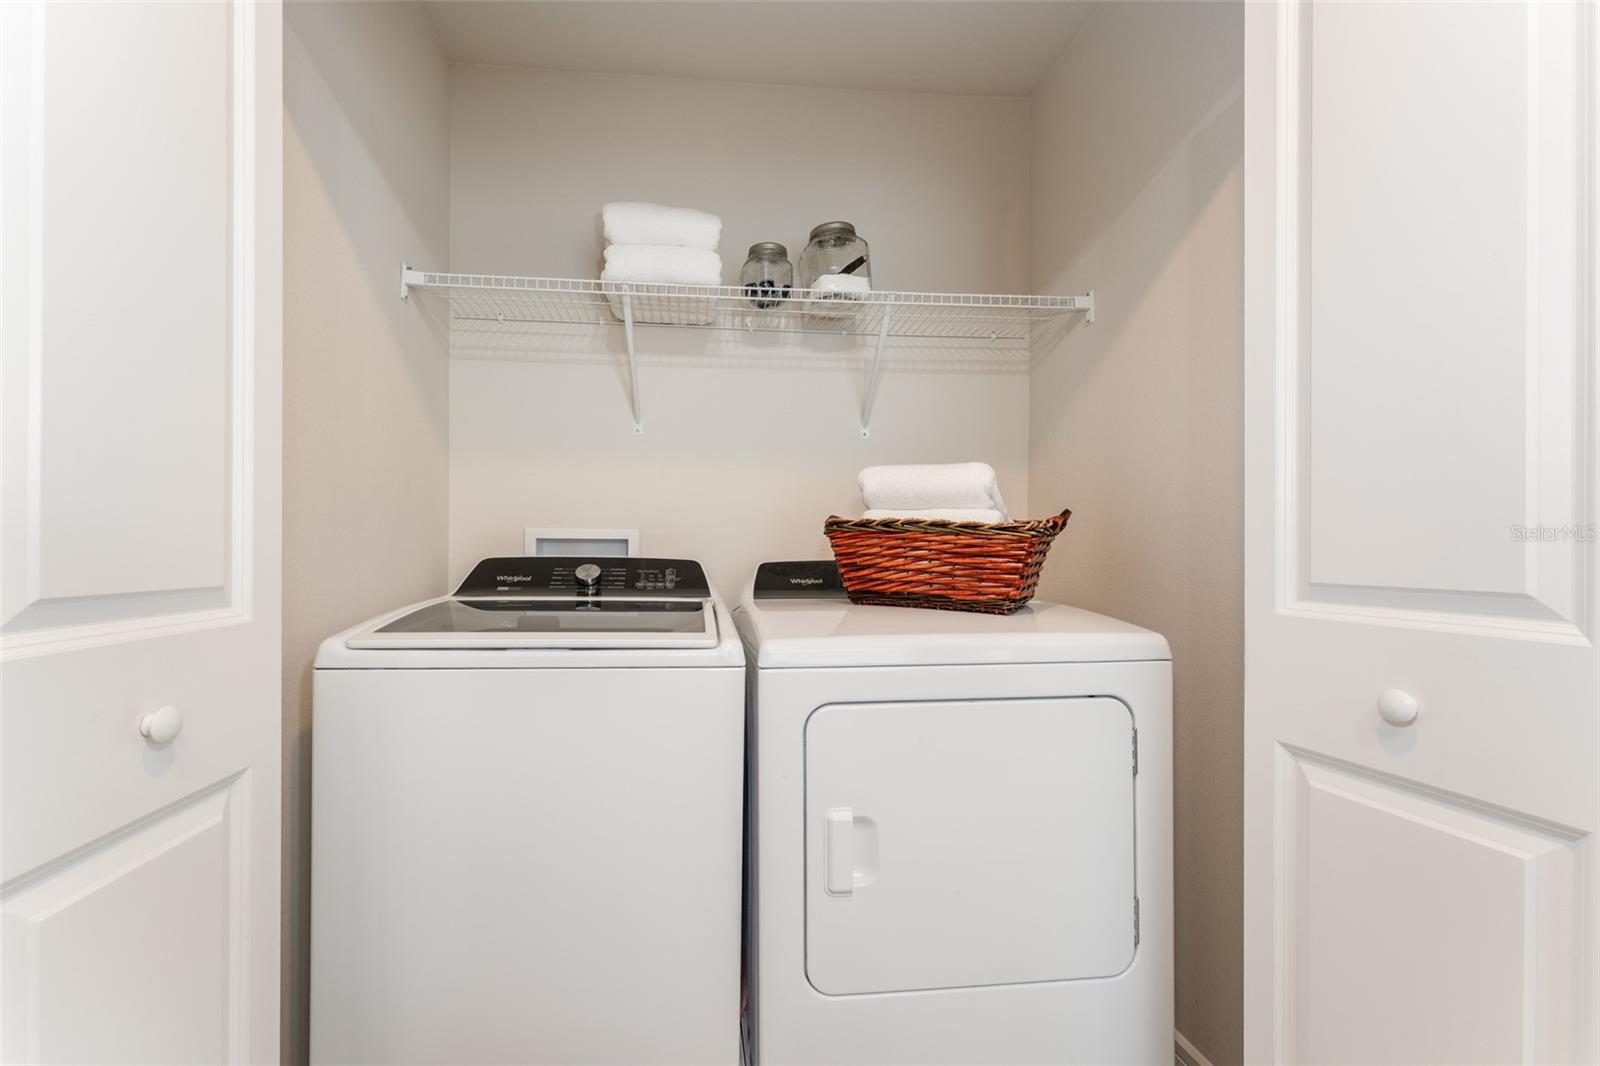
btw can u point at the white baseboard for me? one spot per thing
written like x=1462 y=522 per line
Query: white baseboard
x=1185 y=1053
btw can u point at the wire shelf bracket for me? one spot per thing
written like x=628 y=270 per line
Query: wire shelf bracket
x=875 y=374
x=633 y=365
x=502 y=305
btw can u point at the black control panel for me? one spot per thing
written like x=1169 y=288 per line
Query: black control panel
x=577 y=575
x=807 y=580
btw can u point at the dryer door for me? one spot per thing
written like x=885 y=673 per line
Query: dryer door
x=976 y=842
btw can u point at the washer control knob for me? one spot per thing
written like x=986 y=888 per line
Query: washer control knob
x=588 y=573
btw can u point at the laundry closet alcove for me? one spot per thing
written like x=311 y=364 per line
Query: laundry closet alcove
x=982 y=149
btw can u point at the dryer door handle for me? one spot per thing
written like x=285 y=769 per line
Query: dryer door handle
x=849 y=851
x=839 y=859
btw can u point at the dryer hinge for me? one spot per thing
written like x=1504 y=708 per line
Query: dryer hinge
x=1135 y=921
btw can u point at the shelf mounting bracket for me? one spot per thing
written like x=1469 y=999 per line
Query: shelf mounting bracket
x=633 y=364
x=876 y=373
x=409 y=276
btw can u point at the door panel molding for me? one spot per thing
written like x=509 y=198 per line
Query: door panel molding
x=1333 y=814
x=35 y=622
x=215 y=821
x=1553 y=601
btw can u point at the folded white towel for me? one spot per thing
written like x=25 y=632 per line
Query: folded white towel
x=842 y=285
x=655 y=262
x=628 y=222
x=837 y=296
x=673 y=266
x=947 y=514
x=940 y=486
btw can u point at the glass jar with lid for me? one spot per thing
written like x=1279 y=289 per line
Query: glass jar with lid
x=768 y=275
x=835 y=250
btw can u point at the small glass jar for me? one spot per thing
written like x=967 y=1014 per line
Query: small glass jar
x=835 y=248
x=768 y=275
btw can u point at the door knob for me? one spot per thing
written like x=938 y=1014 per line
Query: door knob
x=1397 y=707
x=161 y=726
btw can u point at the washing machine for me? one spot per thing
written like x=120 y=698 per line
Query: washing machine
x=527 y=803
x=959 y=838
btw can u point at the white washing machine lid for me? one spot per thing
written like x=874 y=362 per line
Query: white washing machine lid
x=832 y=632
x=364 y=647
x=550 y=612
x=545 y=622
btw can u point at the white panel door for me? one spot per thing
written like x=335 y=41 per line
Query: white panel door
x=971 y=842
x=1421 y=677
x=140 y=279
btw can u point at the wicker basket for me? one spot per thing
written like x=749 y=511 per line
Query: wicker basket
x=953 y=566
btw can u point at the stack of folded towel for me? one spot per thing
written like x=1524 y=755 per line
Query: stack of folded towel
x=648 y=242
x=670 y=245
x=957 y=492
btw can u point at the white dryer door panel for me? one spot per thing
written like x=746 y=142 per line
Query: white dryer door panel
x=965 y=843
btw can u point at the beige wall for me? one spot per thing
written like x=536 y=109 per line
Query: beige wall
x=1136 y=421
x=365 y=185
x=738 y=463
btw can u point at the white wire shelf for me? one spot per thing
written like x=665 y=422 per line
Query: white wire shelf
x=475 y=303
x=576 y=301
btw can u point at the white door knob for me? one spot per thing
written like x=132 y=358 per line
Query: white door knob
x=1397 y=707
x=161 y=726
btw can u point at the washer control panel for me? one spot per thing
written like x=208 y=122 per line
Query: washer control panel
x=576 y=575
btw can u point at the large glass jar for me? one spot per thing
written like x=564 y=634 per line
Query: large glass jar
x=835 y=249
x=768 y=275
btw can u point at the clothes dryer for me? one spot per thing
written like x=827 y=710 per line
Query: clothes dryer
x=959 y=839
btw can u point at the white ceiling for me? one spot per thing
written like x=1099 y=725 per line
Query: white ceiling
x=989 y=47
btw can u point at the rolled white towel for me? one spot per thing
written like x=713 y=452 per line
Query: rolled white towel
x=941 y=486
x=661 y=263
x=946 y=514
x=630 y=222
